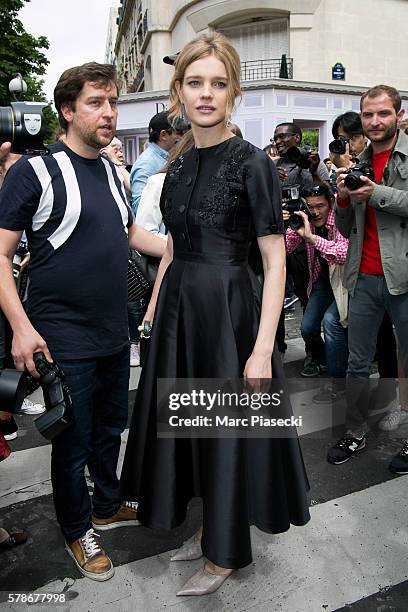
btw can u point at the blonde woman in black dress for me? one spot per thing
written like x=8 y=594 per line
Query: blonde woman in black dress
x=211 y=320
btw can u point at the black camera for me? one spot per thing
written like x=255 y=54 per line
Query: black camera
x=22 y=124
x=293 y=202
x=299 y=156
x=338 y=146
x=353 y=178
x=14 y=386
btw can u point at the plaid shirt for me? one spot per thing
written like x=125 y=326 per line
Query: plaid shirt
x=334 y=249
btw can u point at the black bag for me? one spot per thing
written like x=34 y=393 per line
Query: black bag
x=142 y=272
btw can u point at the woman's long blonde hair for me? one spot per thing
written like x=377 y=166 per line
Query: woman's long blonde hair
x=184 y=144
x=212 y=44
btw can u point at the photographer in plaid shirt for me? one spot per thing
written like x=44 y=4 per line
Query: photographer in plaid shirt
x=325 y=247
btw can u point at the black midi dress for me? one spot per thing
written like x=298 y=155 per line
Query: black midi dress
x=215 y=201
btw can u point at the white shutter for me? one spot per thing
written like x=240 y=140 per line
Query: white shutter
x=264 y=40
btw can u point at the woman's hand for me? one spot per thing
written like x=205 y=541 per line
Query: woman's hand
x=258 y=372
x=149 y=316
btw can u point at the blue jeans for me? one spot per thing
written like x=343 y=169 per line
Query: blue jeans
x=321 y=309
x=367 y=307
x=136 y=312
x=99 y=390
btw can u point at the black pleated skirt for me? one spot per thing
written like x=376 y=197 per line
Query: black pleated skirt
x=205 y=326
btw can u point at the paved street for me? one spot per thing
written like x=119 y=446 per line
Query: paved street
x=351 y=556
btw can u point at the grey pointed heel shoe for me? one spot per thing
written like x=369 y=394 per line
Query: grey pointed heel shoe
x=203 y=583
x=190 y=550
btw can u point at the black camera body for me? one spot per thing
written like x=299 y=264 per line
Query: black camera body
x=299 y=156
x=57 y=398
x=338 y=146
x=293 y=202
x=14 y=386
x=22 y=124
x=353 y=178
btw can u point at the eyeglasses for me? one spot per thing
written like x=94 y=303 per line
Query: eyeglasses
x=279 y=137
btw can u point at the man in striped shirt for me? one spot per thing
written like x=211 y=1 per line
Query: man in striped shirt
x=72 y=206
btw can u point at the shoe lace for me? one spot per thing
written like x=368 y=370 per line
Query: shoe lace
x=90 y=544
x=404 y=450
x=345 y=442
x=27 y=403
x=131 y=505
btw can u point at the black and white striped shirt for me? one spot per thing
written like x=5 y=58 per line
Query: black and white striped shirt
x=76 y=218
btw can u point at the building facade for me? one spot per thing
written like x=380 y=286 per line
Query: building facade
x=111 y=36
x=333 y=50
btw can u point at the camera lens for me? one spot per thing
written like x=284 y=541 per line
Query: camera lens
x=295 y=222
x=294 y=155
x=337 y=146
x=352 y=181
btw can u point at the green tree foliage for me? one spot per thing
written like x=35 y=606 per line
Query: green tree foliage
x=22 y=52
x=311 y=138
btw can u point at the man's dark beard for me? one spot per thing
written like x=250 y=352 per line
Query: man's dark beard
x=91 y=139
x=388 y=134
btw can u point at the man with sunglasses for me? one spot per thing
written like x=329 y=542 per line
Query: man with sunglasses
x=289 y=135
x=325 y=248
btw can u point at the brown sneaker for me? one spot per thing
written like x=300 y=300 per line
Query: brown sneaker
x=90 y=558
x=125 y=516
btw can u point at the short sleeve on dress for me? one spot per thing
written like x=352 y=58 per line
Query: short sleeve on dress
x=264 y=195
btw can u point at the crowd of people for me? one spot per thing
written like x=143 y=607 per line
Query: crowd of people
x=201 y=201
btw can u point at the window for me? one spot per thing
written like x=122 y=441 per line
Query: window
x=253 y=100
x=254 y=132
x=262 y=40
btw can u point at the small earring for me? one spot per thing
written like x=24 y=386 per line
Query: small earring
x=228 y=122
x=183 y=113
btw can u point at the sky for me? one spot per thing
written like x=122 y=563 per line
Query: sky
x=76 y=31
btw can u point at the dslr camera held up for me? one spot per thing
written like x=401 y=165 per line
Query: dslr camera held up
x=22 y=123
x=14 y=386
x=293 y=202
x=299 y=156
x=353 y=179
x=339 y=146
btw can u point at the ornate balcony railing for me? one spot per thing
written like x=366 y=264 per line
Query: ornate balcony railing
x=261 y=70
